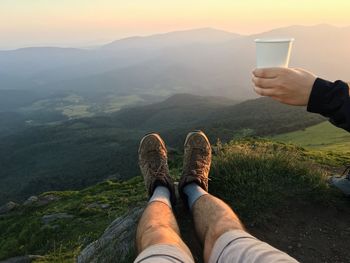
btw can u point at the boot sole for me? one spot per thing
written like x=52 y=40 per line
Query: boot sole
x=196 y=132
x=152 y=134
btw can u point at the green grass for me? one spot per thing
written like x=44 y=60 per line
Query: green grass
x=323 y=136
x=257 y=177
x=23 y=232
x=326 y=143
x=115 y=103
x=76 y=111
x=74 y=106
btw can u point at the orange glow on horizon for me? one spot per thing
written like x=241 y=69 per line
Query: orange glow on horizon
x=42 y=21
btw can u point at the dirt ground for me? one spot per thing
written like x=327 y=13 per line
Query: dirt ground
x=307 y=233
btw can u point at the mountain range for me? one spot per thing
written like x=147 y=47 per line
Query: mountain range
x=72 y=118
x=201 y=61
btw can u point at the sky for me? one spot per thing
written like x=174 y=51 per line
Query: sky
x=83 y=23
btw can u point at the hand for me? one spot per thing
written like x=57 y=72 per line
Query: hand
x=287 y=85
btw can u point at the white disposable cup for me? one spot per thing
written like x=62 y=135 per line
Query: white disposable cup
x=273 y=52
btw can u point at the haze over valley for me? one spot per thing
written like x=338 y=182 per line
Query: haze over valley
x=71 y=120
x=54 y=101
x=201 y=61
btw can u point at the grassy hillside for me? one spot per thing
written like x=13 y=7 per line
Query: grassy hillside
x=263 y=115
x=89 y=211
x=78 y=153
x=323 y=136
x=330 y=144
x=259 y=178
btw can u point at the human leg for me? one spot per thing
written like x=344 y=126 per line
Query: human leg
x=158 y=226
x=212 y=218
x=158 y=236
x=217 y=226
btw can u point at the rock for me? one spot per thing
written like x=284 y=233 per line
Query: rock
x=31 y=200
x=117 y=242
x=22 y=259
x=93 y=205
x=97 y=205
x=41 y=200
x=104 y=206
x=46 y=219
x=8 y=207
x=46 y=199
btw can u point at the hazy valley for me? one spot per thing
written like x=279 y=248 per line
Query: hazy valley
x=71 y=120
x=73 y=117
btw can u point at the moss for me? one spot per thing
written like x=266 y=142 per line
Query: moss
x=23 y=232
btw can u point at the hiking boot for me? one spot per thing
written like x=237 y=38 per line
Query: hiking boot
x=196 y=164
x=154 y=166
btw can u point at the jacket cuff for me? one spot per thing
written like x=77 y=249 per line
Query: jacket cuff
x=327 y=97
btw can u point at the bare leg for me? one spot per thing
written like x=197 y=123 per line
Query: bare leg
x=212 y=218
x=158 y=226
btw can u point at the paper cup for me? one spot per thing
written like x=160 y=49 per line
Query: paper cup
x=273 y=52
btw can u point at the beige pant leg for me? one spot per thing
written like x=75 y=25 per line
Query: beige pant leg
x=163 y=254
x=239 y=246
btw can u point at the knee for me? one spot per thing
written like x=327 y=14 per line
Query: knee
x=158 y=233
x=223 y=225
x=154 y=228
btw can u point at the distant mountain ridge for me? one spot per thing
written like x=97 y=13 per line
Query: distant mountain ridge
x=173 y=39
x=202 y=61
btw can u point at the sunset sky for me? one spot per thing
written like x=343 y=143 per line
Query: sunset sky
x=89 y=22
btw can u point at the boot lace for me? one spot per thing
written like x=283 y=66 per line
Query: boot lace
x=197 y=166
x=156 y=166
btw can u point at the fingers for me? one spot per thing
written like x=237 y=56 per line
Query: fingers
x=264 y=83
x=268 y=72
x=265 y=92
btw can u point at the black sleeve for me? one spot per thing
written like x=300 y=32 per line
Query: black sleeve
x=331 y=99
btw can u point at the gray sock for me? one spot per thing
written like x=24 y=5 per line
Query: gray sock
x=193 y=192
x=161 y=194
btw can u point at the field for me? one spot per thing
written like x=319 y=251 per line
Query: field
x=75 y=106
x=323 y=137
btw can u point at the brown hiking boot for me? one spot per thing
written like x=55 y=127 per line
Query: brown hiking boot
x=197 y=160
x=153 y=164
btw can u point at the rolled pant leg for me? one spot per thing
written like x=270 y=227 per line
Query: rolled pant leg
x=238 y=246
x=163 y=254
